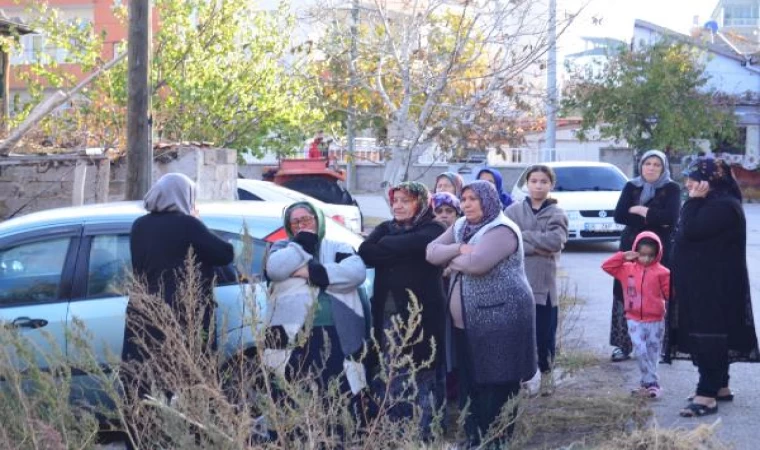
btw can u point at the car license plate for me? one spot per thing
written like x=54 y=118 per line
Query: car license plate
x=603 y=227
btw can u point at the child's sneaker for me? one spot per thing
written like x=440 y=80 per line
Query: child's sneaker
x=654 y=391
x=640 y=391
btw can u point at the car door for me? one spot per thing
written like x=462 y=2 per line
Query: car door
x=99 y=297
x=36 y=274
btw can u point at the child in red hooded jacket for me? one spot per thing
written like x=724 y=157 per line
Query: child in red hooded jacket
x=646 y=288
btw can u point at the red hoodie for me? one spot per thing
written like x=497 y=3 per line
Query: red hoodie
x=645 y=288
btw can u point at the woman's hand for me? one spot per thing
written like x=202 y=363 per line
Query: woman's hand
x=639 y=210
x=700 y=190
x=466 y=249
x=447 y=271
x=303 y=272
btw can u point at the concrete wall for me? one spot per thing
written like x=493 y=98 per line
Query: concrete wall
x=34 y=183
x=369 y=178
x=623 y=158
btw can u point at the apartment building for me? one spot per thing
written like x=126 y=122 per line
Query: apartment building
x=99 y=13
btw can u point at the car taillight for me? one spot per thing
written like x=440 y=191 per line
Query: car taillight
x=340 y=219
x=277 y=235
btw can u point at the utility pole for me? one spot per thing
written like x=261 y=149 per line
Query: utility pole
x=351 y=120
x=551 y=86
x=139 y=147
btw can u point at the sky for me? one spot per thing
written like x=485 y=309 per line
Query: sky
x=614 y=18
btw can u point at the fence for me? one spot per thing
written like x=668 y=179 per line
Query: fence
x=508 y=156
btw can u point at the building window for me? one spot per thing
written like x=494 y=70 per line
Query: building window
x=741 y=15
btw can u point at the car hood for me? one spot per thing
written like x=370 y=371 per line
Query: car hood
x=586 y=200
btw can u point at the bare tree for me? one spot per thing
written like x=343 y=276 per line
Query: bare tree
x=426 y=66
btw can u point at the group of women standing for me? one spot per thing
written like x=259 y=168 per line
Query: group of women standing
x=709 y=317
x=483 y=271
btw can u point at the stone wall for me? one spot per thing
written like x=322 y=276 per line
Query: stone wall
x=34 y=183
x=214 y=169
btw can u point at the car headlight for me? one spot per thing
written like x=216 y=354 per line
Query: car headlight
x=573 y=215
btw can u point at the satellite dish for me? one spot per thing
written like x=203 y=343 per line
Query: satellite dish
x=712 y=26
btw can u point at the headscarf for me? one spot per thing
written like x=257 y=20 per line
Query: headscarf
x=173 y=192
x=649 y=189
x=424 y=211
x=716 y=172
x=446 y=199
x=455 y=179
x=319 y=217
x=504 y=198
x=489 y=203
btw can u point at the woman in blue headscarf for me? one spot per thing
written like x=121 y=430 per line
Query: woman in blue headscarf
x=494 y=177
x=649 y=202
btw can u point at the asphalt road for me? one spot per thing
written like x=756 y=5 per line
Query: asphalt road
x=739 y=419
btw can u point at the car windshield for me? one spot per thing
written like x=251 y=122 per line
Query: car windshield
x=589 y=179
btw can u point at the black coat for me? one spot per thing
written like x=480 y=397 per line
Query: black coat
x=711 y=310
x=400 y=264
x=661 y=217
x=159 y=244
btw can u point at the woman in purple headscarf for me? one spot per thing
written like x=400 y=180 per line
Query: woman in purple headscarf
x=490 y=305
x=710 y=314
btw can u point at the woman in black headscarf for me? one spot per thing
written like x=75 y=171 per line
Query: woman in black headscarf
x=710 y=318
x=649 y=202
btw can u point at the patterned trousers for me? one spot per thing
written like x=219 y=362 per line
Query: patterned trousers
x=647 y=344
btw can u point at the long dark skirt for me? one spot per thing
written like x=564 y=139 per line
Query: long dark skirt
x=619 y=327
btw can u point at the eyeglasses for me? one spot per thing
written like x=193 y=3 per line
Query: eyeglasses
x=302 y=221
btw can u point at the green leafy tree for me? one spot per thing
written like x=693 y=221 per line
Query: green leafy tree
x=221 y=71
x=653 y=97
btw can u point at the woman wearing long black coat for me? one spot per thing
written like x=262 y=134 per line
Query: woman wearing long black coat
x=396 y=250
x=710 y=318
x=160 y=242
x=649 y=202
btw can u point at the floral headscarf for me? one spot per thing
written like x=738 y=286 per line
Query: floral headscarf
x=490 y=203
x=498 y=180
x=424 y=211
x=716 y=172
x=446 y=199
x=455 y=179
x=649 y=189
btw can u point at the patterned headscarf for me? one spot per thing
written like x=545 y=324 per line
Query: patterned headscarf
x=446 y=199
x=422 y=195
x=716 y=172
x=489 y=203
x=173 y=192
x=455 y=179
x=649 y=189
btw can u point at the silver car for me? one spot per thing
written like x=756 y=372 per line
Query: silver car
x=68 y=263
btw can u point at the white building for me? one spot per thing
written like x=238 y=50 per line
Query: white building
x=729 y=71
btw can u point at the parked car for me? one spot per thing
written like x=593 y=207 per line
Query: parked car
x=348 y=215
x=68 y=263
x=588 y=192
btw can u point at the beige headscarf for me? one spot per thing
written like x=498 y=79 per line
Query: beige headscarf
x=173 y=192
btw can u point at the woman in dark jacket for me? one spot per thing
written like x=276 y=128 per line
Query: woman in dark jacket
x=710 y=317
x=649 y=202
x=160 y=244
x=396 y=249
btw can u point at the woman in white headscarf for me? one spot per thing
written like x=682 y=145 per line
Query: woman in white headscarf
x=649 y=202
x=160 y=244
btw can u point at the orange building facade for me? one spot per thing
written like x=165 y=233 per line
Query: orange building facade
x=99 y=13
